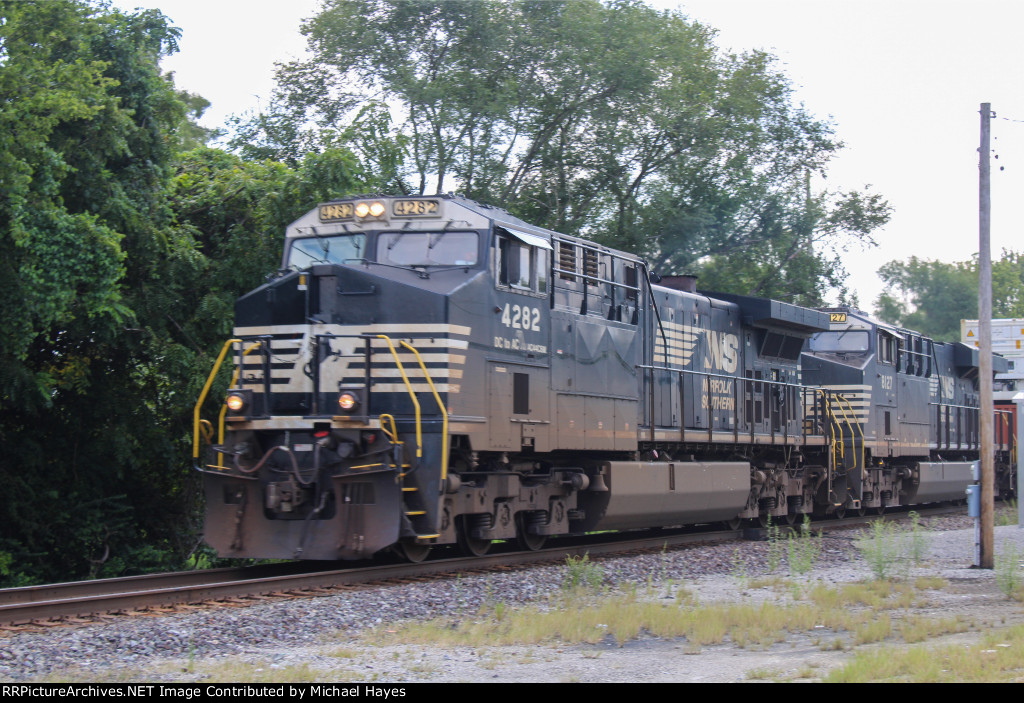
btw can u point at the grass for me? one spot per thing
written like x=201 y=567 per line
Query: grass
x=844 y=618
x=890 y=550
x=878 y=546
x=264 y=672
x=1006 y=514
x=998 y=658
x=739 y=570
x=774 y=546
x=861 y=613
x=621 y=618
x=581 y=573
x=807 y=671
x=839 y=618
x=1007 y=570
x=803 y=549
x=761 y=674
x=913 y=628
x=916 y=540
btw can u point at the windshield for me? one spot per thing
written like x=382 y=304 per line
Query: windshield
x=427 y=248
x=335 y=249
x=839 y=342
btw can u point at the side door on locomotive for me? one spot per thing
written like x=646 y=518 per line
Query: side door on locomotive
x=518 y=368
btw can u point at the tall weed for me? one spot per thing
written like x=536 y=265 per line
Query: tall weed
x=1007 y=514
x=739 y=569
x=774 y=546
x=890 y=551
x=803 y=549
x=582 y=573
x=916 y=541
x=880 y=548
x=1008 y=570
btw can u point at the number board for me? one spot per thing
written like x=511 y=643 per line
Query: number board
x=834 y=317
x=415 y=208
x=335 y=212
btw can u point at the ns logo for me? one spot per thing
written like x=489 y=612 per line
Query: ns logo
x=723 y=351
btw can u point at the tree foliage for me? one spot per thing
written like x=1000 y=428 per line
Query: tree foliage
x=84 y=154
x=122 y=257
x=124 y=240
x=608 y=120
x=933 y=296
x=799 y=254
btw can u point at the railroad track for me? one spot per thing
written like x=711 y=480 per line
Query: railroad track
x=65 y=602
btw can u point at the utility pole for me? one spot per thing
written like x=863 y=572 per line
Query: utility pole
x=987 y=557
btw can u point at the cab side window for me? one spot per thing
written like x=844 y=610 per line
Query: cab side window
x=886 y=349
x=522 y=267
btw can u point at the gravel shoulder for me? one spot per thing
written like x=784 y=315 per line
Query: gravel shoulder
x=317 y=638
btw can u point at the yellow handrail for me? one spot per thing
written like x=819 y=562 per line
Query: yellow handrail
x=837 y=447
x=206 y=428
x=393 y=432
x=851 y=425
x=412 y=394
x=224 y=406
x=202 y=397
x=444 y=411
x=196 y=421
x=234 y=379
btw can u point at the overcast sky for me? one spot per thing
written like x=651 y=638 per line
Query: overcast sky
x=901 y=80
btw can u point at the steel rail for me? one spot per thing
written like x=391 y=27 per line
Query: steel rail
x=20 y=606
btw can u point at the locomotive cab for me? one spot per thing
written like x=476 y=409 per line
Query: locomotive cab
x=367 y=368
x=901 y=389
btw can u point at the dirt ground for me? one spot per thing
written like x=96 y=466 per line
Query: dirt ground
x=971 y=595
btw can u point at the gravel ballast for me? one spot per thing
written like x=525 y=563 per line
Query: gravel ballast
x=312 y=637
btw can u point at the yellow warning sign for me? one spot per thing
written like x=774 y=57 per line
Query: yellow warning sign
x=970 y=333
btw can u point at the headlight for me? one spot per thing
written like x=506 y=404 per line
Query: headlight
x=348 y=401
x=373 y=208
x=238 y=401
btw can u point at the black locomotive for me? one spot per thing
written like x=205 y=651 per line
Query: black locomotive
x=431 y=370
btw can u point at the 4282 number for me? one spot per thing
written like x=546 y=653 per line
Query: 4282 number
x=521 y=317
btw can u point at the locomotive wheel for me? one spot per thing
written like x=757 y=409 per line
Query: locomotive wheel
x=792 y=518
x=471 y=546
x=527 y=541
x=733 y=524
x=412 y=552
x=880 y=510
x=862 y=511
x=840 y=512
x=764 y=520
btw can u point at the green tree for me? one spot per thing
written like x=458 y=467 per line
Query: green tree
x=233 y=212
x=122 y=257
x=609 y=120
x=798 y=255
x=933 y=296
x=85 y=129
